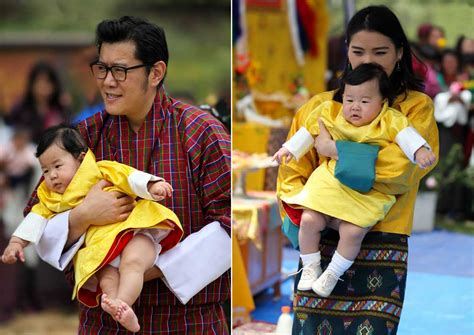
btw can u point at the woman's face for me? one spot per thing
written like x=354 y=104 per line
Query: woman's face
x=42 y=87
x=450 y=64
x=373 y=47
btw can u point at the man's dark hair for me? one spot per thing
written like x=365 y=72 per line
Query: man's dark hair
x=367 y=72
x=149 y=39
x=65 y=137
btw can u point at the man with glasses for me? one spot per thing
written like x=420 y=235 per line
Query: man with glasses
x=144 y=127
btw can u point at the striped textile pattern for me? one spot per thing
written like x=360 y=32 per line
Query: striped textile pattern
x=368 y=300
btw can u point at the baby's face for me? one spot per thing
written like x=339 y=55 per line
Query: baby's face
x=361 y=103
x=59 y=167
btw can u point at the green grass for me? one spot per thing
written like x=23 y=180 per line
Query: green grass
x=459 y=226
x=456 y=17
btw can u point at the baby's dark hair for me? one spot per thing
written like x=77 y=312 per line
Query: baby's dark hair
x=369 y=71
x=65 y=137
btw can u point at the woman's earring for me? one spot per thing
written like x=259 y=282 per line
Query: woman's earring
x=398 y=67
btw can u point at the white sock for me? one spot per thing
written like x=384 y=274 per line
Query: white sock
x=311 y=258
x=339 y=264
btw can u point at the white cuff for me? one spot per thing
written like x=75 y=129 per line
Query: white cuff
x=51 y=245
x=138 y=182
x=31 y=228
x=300 y=143
x=196 y=262
x=409 y=140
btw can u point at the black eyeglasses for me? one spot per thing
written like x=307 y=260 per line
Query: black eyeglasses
x=119 y=73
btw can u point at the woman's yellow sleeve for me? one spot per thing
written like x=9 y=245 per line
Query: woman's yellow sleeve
x=394 y=173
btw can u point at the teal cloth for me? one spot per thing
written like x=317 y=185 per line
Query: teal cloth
x=356 y=165
x=291 y=231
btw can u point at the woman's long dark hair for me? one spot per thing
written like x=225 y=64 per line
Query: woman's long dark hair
x=382 y=20
x=42 y=68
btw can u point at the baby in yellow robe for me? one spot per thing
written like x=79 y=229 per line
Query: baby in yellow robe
x=364 y=117
x=69 y=171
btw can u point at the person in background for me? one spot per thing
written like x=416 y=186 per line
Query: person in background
x=142 y=126
x=436 y=38
x=20 y=171
x=44 y=103
x=373 y=35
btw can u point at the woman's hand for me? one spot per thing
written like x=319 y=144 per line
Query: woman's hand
x=324 y=144
x=99 y=208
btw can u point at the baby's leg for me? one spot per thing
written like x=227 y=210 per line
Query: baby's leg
x=309 y=236
x=348 y=247
x=138 y=256
x=109 y=280
x=350 y=239
x=311 y=225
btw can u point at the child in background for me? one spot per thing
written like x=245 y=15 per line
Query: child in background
x=69 y=171
x=364 y=117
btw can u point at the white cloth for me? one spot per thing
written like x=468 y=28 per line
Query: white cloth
x=300 y=143
x=197 y=261
x=31 y=228
x=138 y=182
x=409 y=140
x=186 y=267
x=449 y=113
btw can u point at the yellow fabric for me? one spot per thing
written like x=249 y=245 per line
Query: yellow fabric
x=241 y=294
x=99 y=239
x=394 y=173
x=272 y=54
x=323 y=192
x=251 y=138
x=245 y=223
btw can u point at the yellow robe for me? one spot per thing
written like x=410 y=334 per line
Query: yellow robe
x=394 y=174
x=99 y=239
x=323 y=192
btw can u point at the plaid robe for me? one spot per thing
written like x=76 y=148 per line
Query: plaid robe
x=190 y=150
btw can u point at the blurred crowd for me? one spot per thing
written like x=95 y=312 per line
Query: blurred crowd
x=448 y=74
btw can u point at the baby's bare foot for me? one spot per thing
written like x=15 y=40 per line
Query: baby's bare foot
x=109 y=305
x=126 y=316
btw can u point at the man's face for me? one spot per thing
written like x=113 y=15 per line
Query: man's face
x=129 y=97
x=362 y=103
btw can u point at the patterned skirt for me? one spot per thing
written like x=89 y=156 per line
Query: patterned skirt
x=369 y=298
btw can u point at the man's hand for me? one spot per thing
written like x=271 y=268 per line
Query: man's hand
x=14 y=251
x=424 y=157
x=282 y=156
x=98 y=208
x=324 y=144
x=160 y=190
